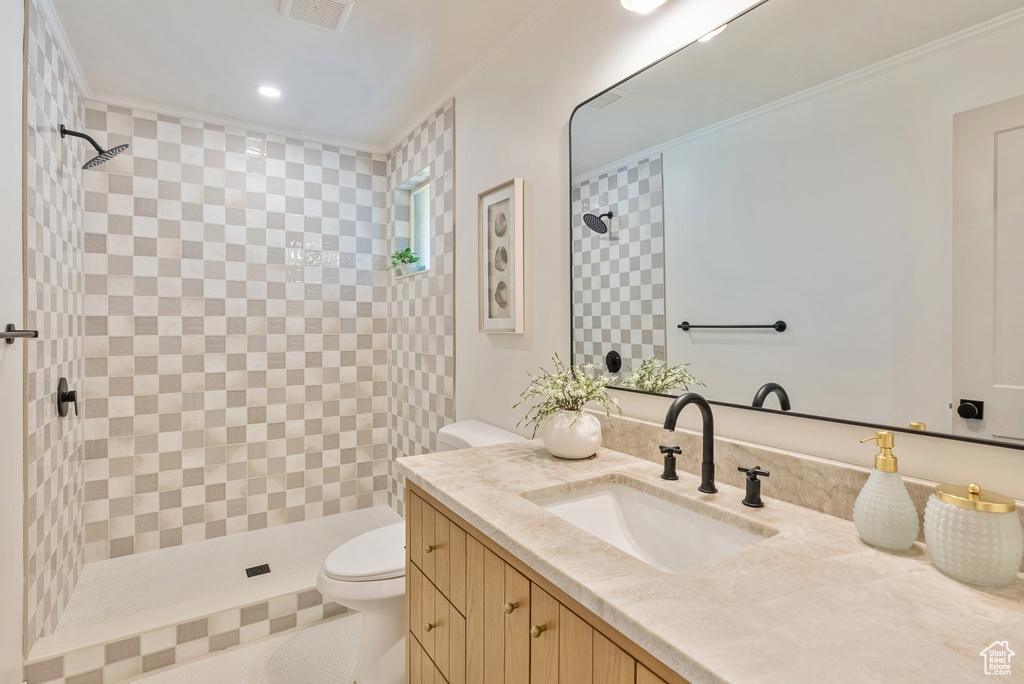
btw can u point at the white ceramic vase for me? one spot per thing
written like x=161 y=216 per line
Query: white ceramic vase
x=572 y=435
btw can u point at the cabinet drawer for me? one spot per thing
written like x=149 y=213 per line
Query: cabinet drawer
x=438 y=628
x=438 y=548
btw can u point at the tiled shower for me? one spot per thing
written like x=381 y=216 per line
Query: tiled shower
x=219 y=298
x=235 y=332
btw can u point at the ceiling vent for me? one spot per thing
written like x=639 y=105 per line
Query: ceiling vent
x=607 y=99
x=327 y=14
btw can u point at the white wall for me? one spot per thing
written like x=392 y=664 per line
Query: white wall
x=513 y=121
x=11 y=356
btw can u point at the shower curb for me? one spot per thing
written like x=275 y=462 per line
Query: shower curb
x=122 y=658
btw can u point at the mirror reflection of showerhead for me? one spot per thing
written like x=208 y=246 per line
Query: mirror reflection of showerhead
x=596 y=224
x=103 y=156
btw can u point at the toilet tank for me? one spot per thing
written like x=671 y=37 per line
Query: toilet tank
x=464 y=434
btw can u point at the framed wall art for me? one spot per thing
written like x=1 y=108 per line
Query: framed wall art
x=502 y=215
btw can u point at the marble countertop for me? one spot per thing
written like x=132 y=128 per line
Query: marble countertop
x=810 y=603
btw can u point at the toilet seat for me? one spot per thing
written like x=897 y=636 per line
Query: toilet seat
x=375 y=555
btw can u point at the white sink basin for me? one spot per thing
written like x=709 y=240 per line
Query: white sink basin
x=664 y=535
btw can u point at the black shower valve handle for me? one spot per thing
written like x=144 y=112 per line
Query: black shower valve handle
x=72 y=398
x=65 y=396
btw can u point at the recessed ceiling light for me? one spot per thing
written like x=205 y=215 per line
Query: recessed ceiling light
x=268 y=91
x=706 y=37
x=642 y=6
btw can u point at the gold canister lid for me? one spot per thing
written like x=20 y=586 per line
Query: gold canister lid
x=918 y=426
x=973 y=498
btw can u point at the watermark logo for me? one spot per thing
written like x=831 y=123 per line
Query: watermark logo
x=997 y=658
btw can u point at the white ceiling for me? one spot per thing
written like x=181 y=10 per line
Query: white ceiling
x=775 y=50
x=366 y=85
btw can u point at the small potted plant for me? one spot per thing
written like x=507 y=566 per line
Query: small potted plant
x=402 y=259
x=557 y=401
x=658 y=377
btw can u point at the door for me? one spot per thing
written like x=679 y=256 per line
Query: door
x=988 y=281
x=12 y=357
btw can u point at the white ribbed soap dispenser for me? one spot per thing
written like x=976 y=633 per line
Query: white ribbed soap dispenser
x=884 y=514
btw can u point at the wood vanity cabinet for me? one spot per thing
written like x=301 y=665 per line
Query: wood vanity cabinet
x=478 y=615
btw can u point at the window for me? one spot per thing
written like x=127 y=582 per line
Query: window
x=419 y=213
x=413 y=219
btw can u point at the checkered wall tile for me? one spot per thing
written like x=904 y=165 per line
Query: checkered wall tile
x=236 y=332
x=422 y=320
x=54 y=241
x=618 y=279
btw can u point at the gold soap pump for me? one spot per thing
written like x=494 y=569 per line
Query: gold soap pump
x=885 y=461
x=884 y=514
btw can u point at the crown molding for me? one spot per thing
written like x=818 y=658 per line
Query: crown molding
x=351 y=145
x=954 y=40
x=52 y=18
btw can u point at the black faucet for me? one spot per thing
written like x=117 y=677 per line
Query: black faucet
x=707 y=468
x=768 y=388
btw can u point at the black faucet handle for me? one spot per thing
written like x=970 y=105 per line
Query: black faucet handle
x=753 y=473
x=753 y=497
x=670 y=453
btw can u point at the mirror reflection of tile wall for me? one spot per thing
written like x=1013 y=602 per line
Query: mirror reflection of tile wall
x=619 y=277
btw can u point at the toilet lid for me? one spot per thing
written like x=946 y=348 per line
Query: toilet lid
x=375 y=555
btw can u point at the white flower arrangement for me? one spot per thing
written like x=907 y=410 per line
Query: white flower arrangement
x=568 y=388
x=658 y=377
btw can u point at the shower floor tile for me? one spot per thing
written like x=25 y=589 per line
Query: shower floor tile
x=123 y=587
x=322 y=654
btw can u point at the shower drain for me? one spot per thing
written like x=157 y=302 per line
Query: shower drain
x=257 y=570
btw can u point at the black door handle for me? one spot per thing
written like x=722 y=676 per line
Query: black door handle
x=971 y=409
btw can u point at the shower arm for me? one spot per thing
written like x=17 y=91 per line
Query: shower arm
x=65 y=132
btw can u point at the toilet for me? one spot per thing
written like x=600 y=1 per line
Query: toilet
x=367 y=573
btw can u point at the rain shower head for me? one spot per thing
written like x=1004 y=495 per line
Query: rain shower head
x=103 y=156
x=596 y=224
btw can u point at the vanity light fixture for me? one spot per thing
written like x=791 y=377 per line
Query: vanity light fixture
x=268 y=91
x=708 y=36
x=642 y=6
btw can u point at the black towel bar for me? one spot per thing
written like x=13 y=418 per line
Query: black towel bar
x=778 y=326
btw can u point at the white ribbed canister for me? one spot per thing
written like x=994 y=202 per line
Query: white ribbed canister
x=974 y=536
